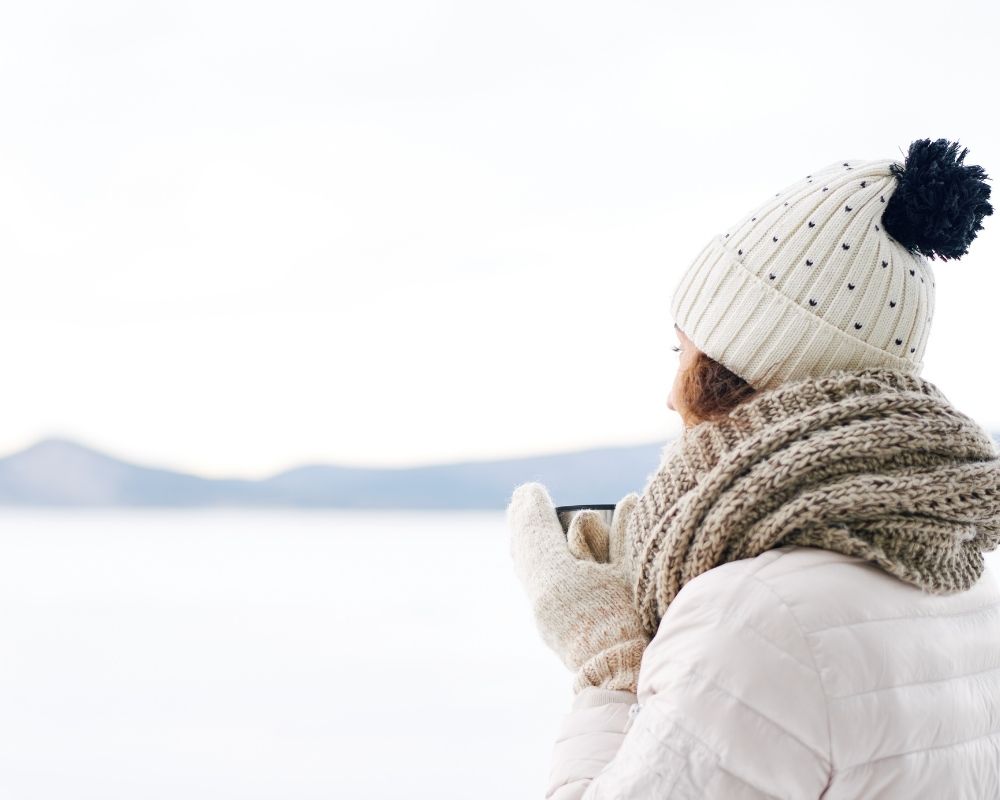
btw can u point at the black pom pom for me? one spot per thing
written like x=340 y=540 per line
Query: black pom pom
x=939 y=202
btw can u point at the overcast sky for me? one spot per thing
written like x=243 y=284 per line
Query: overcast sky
x=237 y=236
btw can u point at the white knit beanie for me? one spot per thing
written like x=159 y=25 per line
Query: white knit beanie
x=833 y=272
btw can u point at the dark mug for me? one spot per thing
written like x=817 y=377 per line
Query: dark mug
x=566 y=513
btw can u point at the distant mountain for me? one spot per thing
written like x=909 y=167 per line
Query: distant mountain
x=58 y=472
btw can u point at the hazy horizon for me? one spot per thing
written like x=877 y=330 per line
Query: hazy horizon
x=361 y=466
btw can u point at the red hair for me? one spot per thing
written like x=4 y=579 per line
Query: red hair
x=709 y=391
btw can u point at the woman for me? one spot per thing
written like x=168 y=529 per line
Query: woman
x=796 y=605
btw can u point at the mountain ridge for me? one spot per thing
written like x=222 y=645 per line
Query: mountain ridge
x=60 y=472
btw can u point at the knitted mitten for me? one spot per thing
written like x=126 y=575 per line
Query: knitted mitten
x=581 y=599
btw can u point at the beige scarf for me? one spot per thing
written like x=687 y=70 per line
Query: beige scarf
x=872 y=463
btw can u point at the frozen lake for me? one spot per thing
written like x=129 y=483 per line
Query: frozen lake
x=269 y=654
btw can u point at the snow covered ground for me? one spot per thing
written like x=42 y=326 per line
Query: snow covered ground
x=223 y=654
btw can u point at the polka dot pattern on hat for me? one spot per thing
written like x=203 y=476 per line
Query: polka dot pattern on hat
x=811 y=281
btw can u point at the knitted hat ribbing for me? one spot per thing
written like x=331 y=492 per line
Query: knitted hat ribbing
x=811 y=281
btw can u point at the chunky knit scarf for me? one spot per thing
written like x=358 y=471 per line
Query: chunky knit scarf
x=873 y=463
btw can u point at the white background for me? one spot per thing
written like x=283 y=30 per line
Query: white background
x=236 y=236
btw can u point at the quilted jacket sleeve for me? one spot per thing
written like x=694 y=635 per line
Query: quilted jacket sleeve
x=730 y=705
x=588 y=739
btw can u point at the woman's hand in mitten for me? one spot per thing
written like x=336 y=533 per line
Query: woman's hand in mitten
x=576 y=583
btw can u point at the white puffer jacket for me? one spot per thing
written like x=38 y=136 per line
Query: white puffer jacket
x=799 y=674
